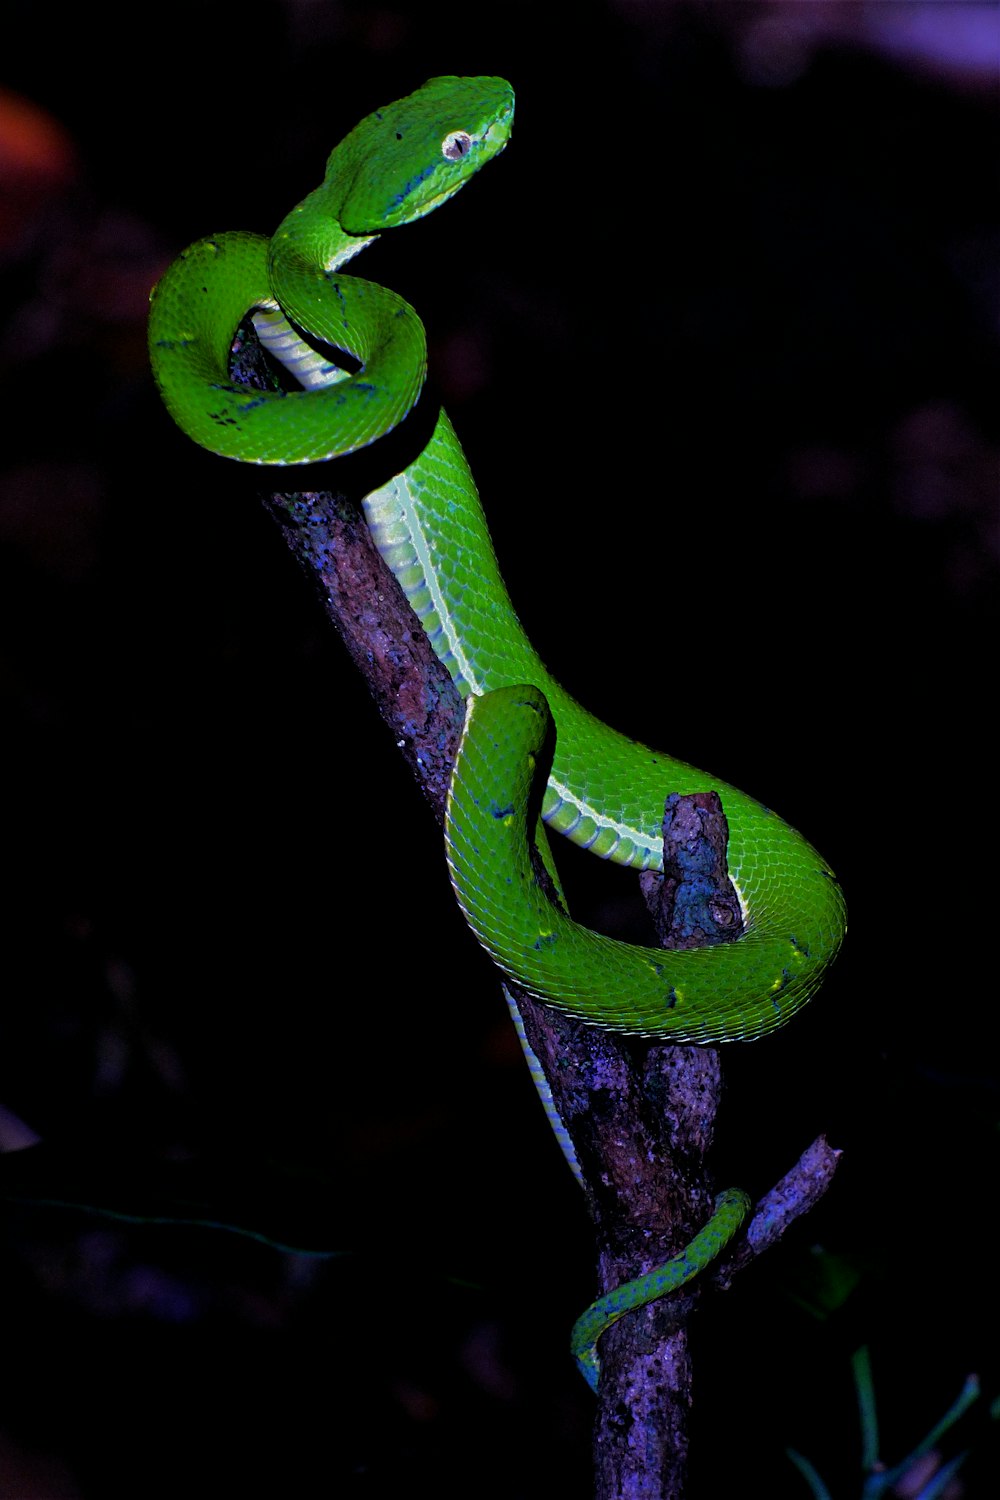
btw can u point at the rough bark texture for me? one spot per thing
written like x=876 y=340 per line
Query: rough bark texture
x=641 y=1436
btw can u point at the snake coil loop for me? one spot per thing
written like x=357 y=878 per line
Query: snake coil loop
x=604 y=792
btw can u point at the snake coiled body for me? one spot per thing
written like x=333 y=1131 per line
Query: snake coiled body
x=603 y=791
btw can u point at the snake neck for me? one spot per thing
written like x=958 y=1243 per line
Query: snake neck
x=307 y=249
x=310 y=242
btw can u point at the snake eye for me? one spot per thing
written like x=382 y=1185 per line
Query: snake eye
x=456 y=144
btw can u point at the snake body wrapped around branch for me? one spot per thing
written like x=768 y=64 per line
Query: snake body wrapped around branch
x=603 y=791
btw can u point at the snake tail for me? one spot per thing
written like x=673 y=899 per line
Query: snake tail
x=731 y=1210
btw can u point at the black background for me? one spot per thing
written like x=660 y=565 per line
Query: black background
x=717 y=331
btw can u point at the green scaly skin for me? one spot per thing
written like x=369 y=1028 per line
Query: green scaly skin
x=604 y=792
x=731 y=1208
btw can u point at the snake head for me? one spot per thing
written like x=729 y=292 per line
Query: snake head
x=405 y=160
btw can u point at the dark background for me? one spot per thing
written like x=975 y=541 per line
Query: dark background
x=718 y=333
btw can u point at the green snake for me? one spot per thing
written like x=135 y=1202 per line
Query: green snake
x=604 y=791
